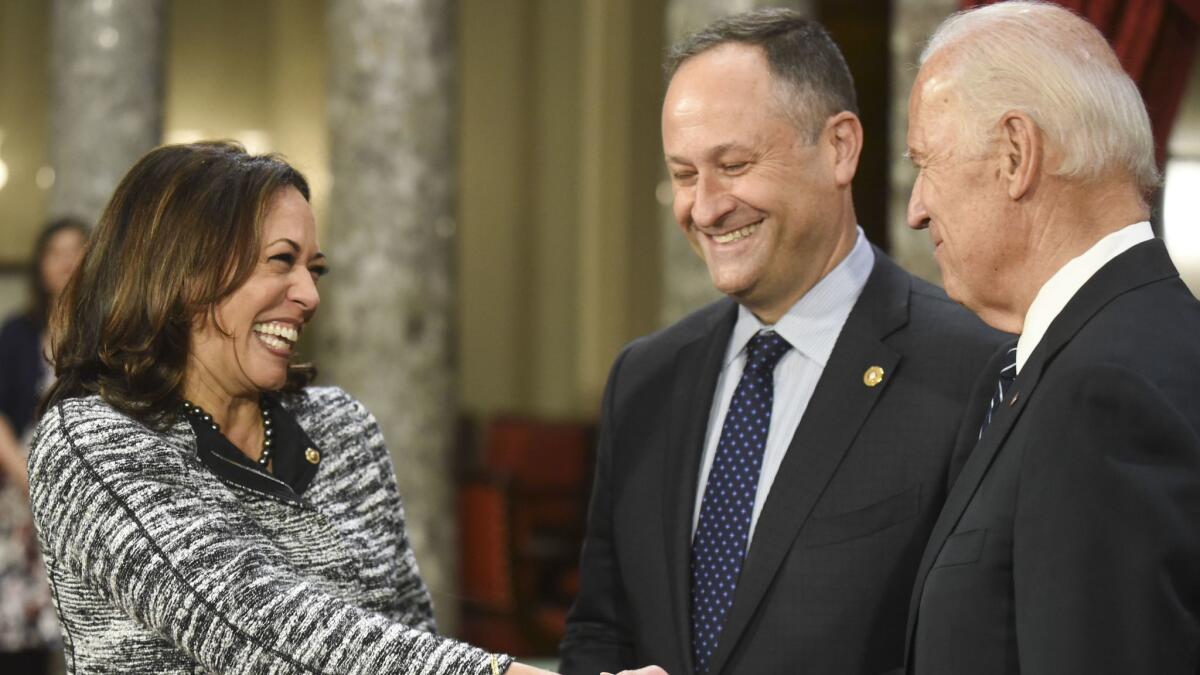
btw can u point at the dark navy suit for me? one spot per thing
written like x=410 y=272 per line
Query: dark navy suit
x=1070 y=543
x=827 y=577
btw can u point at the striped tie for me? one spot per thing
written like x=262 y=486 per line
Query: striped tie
x=1008 y=373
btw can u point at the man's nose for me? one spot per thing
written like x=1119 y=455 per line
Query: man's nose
x=712 y=202
x=917 y=216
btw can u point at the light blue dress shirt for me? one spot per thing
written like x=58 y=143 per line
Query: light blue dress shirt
x=811 y=326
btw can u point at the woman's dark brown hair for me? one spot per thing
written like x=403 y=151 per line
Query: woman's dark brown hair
x=180 y=233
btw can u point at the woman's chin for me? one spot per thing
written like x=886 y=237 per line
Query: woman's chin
x=268 y=378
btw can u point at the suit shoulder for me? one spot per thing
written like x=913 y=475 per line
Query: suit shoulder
x=696 y=325
x=932 y=313
x=1159 y=311
x=1152 y=330
x=1153 y=326
x=652 y=358
x=1123 y=408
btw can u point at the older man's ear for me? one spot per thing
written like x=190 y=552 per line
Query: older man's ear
x=1022 y=145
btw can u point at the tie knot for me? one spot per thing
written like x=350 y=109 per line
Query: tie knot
x=1008 y=367
x=764 y=351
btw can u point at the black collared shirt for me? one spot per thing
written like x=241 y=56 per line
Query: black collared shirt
x=293 y=464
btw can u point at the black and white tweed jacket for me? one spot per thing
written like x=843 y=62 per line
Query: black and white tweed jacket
x=158 y=565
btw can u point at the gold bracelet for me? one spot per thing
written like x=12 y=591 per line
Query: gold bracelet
x=495 y=666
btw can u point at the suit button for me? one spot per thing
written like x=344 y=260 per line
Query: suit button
x=312 y=455
x=873 y=376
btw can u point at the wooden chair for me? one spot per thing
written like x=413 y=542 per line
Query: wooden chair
x=522 y=511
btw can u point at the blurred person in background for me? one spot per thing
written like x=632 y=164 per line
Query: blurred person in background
x=28 y=630
x=199 y=507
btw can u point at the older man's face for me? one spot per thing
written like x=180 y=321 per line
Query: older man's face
x=957 y=195
x=756 y=199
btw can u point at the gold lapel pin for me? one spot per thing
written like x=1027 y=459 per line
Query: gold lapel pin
x=312 y=455
x=873 y=376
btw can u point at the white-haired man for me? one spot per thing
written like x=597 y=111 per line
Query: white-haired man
x=1071 y=541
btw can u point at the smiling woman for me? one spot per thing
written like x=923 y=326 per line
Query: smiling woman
x=198 y=506
x=177 y=255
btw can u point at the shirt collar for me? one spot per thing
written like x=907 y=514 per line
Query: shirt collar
x=294 y=464
x=1062 y=286
x=813 y=324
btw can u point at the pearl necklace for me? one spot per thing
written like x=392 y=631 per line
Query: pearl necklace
x=264 y=460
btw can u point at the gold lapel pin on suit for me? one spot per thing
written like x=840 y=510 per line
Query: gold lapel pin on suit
x=873 y=376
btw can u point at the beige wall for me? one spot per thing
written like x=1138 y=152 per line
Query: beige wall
x=24 y=91
x=558 y=160
x=253 y=72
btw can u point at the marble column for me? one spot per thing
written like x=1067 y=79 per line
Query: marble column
x=385 y=325
x=686 y=285
x=912 y=23
x=106 y=97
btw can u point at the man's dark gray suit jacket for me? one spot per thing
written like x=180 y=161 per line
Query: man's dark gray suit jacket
x=825 y=585
x=1070 y=543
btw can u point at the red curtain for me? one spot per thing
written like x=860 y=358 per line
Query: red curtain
x=1155 y=41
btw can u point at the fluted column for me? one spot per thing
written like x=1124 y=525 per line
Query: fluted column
x=686 y=284
x=912 y=22
x=385 y=324
x=106 y=101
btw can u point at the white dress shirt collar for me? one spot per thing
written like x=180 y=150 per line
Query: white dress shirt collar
x=1066 y=282
x=813 y=324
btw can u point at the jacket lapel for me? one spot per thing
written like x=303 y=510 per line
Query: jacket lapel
x=840 y=404
x=696 y=369
x=1143 y=264
x=972 y=473
x=977 y=404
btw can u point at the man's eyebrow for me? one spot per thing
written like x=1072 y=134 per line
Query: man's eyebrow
x=713 y=152
x=717 y=151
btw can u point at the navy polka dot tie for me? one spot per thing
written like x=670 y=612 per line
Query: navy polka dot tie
x=719 y=544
